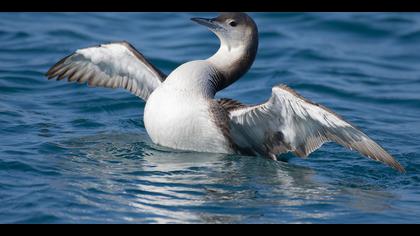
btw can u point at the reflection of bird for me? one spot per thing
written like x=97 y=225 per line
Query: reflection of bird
x=181 y=111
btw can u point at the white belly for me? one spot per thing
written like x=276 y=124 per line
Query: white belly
x=181 y=121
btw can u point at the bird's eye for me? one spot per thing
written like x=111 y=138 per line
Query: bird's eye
x=233 y=23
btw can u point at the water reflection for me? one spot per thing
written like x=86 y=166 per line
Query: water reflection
x=128 y=171
x=155 y=184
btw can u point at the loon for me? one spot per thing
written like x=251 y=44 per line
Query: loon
x=181 y=110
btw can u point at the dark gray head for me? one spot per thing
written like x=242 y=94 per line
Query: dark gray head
x=233 y=29
x=238 y=36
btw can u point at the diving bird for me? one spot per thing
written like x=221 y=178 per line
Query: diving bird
x=181 y=110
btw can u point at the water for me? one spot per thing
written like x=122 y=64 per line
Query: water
x=73 y=154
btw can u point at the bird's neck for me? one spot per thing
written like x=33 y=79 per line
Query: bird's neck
x=232 y=63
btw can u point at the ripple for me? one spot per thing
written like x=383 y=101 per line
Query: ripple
x=359 y=29
x=66 y=33
x=6 y=35
x=86 y=123
x=357 y=97
x=20 y=166
x=411 y=37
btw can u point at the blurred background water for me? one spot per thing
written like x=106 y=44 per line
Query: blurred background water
x=73 y=154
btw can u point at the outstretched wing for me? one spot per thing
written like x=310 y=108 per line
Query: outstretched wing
x=289 y=122
x=114 y=65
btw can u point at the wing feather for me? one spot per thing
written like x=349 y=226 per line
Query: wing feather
x=114 y=65
x=289 y=122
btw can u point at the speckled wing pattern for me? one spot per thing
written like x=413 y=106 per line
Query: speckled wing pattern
x=113 y=65
x=289 y=122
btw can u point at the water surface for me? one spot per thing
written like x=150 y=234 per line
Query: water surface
x=73 y=154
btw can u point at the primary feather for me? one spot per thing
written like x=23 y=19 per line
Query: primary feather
x=114 y=65
x=289 y=122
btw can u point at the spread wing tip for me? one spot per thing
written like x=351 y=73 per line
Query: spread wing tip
x=399 y=167
x=394 y=164
x=55 y=69
x=372 y=150
x=387 y=159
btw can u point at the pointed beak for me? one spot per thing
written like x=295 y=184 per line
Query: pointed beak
x=209 y=23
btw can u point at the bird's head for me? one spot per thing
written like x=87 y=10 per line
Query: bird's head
x=234 y=29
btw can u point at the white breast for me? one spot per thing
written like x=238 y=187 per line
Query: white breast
x=177 y=114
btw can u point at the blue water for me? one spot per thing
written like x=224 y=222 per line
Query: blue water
x=73 y=154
